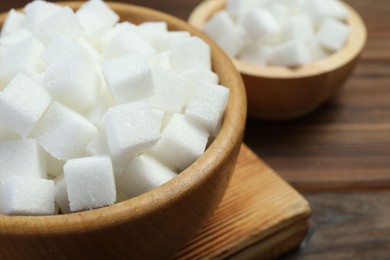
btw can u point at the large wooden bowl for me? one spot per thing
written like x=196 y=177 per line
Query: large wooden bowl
x=279 y=93
x=155 y=224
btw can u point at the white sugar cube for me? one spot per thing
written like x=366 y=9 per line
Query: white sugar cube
x=207 y=105
x=317 y=52
x=61 y=194
x=299 y=27
x=62 y=23
x=22 y=157
x=54 y=166
x=332 y=34
x=189 y=53
x=167 y=41
x=181 y=143
x=38 y=11
x=21 y=195
x=98 y=145
x=22 y=57
x=161 y=59
x=63 y=133
x=7 y=134
x=261 y=25
x=12 y=23
x=337 y=10
x=106 y=38
x=92 y=51
x=143 y=174
x=96 y=19
x=129 y=77
x=201 y=74
x=90 y=183
x=256 y=53
x=171 y=90
x=196 y=77
x=225 y=33
x=319 y=10
x=61 y=48
x=130 y=129
x=278 y=10
x=74 y=76
x=158 y=115
x=238 y=7
x=291 y=53
x=152 y=31
x=96 y=15
x=22 y=103
x=15 y=37
x=95 y=114
x=125 y=41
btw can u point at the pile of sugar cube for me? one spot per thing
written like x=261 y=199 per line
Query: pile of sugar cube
x=286 y=33
x=94 y=111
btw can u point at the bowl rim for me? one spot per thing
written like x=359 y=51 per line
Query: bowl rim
x=229 y=136
x=352 y=48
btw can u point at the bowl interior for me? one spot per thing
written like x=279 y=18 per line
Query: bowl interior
x=228 y=139
x=352 y=48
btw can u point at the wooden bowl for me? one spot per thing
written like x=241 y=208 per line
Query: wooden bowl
x=152 y=225
x=279 y=93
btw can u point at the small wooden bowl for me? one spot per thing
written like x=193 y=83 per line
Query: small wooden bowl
x=157 y=223
x=279 y=93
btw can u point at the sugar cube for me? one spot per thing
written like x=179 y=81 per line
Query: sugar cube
x=22 y=195
x=131 y=129
x=63 y=133
x=54 y=166
x=261 y=25
x=129 y=77
x=181 y=143
x=161 y=59
x=12 y=23
x=291 y=53
x=125 y=41
x=256 y=53
x=61 y=194
x=171 y=90
x=299 y=27
x=316 y=51
x=96 y=15
x=38 y=11
x=22 y=103
x=332 y=34
x=143 y=174
x=22 y=57
x=22 y=157
x=62 y=23
x=70 y=77
x=222 y=29
x=15 y=37
x=90 y=182
x=207 y=105
x=189 y=53
x=7 y=134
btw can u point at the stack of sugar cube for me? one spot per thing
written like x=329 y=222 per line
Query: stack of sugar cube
x=286 y=33
x=94 y=110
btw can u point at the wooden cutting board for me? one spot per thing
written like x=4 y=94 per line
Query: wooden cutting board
x=260 y=216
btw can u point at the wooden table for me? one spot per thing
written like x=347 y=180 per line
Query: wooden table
x=339 y=156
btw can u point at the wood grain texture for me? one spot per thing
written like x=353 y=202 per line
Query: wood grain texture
x=260 y=216
x=347 y=226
